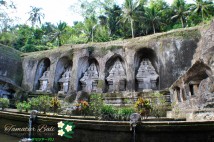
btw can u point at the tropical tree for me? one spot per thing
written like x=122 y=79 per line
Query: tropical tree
x=129 y=11
x=60 y=33
x=152 y=17
x=180 y=10
x=6 y=21
x=35 y=15
x=202 y=7
x=113 y=19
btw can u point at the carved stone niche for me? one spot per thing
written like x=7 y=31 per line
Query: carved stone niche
x=44 y=82
x=146 y=76
x=64 y=82
x=117 y=78
x=90 y=79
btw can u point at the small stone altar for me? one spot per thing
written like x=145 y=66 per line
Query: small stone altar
x=146 y=76
x=90 y=79
x=117 y=77
x=64 y=82
x=44 y=82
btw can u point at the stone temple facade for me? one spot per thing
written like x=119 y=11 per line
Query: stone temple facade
x=182 y=59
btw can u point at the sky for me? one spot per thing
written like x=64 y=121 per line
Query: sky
x=54 y=10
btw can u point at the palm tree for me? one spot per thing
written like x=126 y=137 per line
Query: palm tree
x=152 y=17
x=180 y=11
x=201 y=6
x=35 y=15
x=128 y=12
x=59 y=32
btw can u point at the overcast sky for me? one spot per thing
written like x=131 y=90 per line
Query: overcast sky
x=54 y=10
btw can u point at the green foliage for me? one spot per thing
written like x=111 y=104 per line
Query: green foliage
x=159 y=105
x=108 y=112
x=125 y=112
x=34 y=103
x=44 y=103
x=23 y=106
x=143 y=107
x=104 y=21
x=55 y=104
x=96 y=104
x=41 y=103
x=4 y=103
x=100 y=84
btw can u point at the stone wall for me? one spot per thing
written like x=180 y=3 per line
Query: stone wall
x=194 y=91
x=170 y=55
x=109 y=131
x=10 y=66
x=11 y=72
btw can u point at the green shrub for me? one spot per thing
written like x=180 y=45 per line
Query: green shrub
x=23 y=106
x=95 y=104
x=125 y=112
x=34 y=103
x=4 y=103
x=19 y=106
x=159 y=105
x=143 y=107
x=109 y=112
x=44 y=103
x=55 y=104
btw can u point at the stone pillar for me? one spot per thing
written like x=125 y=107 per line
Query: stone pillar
x=130 y=70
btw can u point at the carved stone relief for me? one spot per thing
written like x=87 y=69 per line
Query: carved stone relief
x=90 y=79
x=117 y=77
x=44 y=81
x=64 y=81
x=146 y=76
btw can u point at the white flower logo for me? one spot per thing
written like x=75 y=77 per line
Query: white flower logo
x=61 y=133
x=68 y=128
x=60 y=124
x=65 y=129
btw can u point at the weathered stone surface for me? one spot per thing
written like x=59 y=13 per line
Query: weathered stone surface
x=90 y=79
x=10 y=66
x=169 y=56
x=117 y=78
x=64 y=82
x=194 y=90
x=146 y=76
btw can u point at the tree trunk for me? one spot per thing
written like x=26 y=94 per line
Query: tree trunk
x=202 y=13
x=132 y=28
x=153 y=27
x=182 y=22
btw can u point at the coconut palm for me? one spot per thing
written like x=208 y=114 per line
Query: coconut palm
x=59 y=32
x=128 y=12
x=202 y=7
x=180 y=11
x=35 y=15
x=152 y=17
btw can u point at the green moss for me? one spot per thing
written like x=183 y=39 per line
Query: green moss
x=47 y=53
x=100 y=84
x=10 y=52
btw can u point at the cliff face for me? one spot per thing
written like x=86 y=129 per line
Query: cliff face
x=169 y=53
x=194 y=90
x=10 y=66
